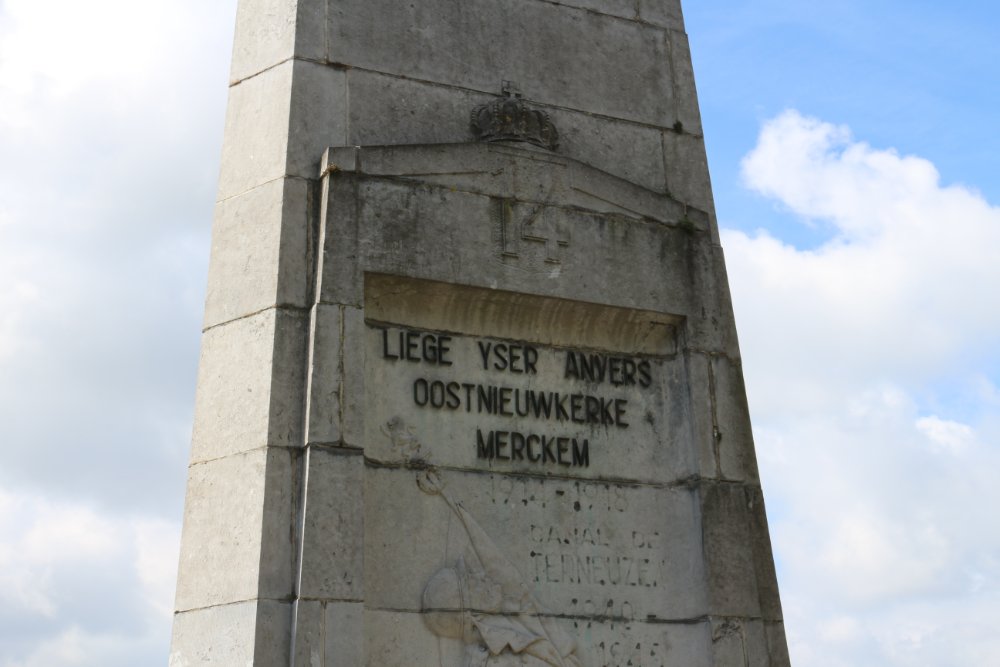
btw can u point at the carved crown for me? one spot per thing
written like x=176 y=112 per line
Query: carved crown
x=510 y=119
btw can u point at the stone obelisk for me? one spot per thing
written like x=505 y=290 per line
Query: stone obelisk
x=470 y=391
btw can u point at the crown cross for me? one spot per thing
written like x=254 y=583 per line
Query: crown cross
x=510 y=119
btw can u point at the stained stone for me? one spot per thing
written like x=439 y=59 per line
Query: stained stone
x=464 y=402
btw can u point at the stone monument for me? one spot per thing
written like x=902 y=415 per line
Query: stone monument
x=470 y=392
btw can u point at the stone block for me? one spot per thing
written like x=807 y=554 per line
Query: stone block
x=333 y=527
x=259 y=251
x=269 y=32
x=344 y=634
x=339 y=281
x=666 y=13
x=386 y=110
x=737 y=461
x=767 y=578
x=627 y=150
x=685 y=93
x=555 y=52
x=236 y=542
x=687 y=171
x=250 y=385
x=255 y=142
x=274 y=633
x=279 y=122
x=711 y=328
x=703 y=420
x=255 y=632
x=326 y=375
x=777 y=645
x=309 y=638
x=329 y=634
x=729 y=532
x=353 y=400
x=721 y=419
x=739 y=643
x=318 y=117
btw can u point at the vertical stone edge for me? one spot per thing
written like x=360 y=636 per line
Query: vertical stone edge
x=327 y=619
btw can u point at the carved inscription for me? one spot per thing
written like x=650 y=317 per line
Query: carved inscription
x=555 y=542
x=548 y=419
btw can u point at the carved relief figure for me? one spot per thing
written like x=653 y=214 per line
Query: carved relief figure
x=482 y=601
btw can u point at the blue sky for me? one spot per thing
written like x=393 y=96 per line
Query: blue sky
x=919 y=77
x=853 y=149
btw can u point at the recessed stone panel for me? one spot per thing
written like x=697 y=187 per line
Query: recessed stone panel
x=542 y=473
x=594 y=550
x=511 y=405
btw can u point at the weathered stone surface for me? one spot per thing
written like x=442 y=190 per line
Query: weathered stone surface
x=259 y=251
x=290 y=29
x=353 y=400
x=276 y=121
x=687 y=171
x=735 y=440
x=711 y=328
x=255 y=142
x=329 y=634
x=309 y=621
x=402 y=227
x=334 y=528
x=250 y=385
x=687 y=112
x=318 y=115
x=345 y=634
x=238 y=520
x=584 y=549
x=777 y=645
x=622 y=8
x=552 y=50
x=388 y=110
x=618 y=644
x=326 y=375
x=767 y=578
x=245 y=633
x=703 y=419
x=662 y=12
x=740 y=643
x=729 y=555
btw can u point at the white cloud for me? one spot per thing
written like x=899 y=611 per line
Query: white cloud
x=71 y=576
x=946 y=435
x=881 y=499
x=110 y=131
x=108 y=154
x=904 y=285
